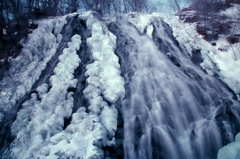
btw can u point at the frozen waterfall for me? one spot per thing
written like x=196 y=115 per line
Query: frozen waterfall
x=89 y=88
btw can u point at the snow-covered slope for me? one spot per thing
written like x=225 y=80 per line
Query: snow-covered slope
x=221 y=57
x=78 y=77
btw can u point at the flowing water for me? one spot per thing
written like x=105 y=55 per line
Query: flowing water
x=172 y=109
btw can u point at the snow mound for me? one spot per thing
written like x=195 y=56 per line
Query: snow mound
x=81 y=139
x=104 y=73
x=230 y=151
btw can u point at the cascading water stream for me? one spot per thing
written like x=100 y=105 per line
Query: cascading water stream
x=172 y=109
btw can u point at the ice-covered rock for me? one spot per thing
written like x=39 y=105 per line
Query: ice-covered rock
x=231 y=150
x=39 y=121
x=27 y=67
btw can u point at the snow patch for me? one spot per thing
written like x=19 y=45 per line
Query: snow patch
x=150 y=31
x=231 y=150
x=142 y=21
x=232 y=11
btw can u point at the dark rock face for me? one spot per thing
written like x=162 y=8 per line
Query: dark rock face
x=232 y=1
x=196 y=57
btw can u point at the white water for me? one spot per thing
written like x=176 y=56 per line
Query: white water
x=171 y=110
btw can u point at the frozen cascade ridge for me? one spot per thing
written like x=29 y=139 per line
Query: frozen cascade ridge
x=131 y=87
